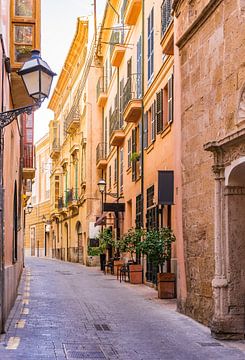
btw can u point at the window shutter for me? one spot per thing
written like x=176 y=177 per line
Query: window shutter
x=153 y=121
x=129 y=151
x=139 y=65
x=159 y=111
x=121 y=102
x=133 y=151
x=170 y=98
x=145 y=130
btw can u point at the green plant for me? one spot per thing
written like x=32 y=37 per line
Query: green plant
x=130 y=242
x=157 y=245
x=105 y=239
x=135 y=156
x=93 y=251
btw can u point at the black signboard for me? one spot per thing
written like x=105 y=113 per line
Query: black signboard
x=165 y=187
x=114 y=207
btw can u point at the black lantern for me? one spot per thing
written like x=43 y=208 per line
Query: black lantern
x=102 y=185
x=37 y=77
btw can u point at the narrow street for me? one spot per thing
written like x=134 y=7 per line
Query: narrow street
x=68 y=311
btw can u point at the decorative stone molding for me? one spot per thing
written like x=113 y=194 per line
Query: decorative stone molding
x=234 y=190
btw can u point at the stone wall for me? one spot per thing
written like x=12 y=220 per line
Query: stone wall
x=211 y=37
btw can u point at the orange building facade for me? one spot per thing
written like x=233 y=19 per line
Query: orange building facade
x=19 y=34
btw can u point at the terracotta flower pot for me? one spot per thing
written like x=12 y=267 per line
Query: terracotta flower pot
x=166 y=285
x=135 y=274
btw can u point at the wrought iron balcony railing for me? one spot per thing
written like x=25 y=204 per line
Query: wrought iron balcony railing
x=55 y=145
x=132 y=89
x=72 y=195
x=60 y=202
x=101 y=86
x=28 y=158
x=101 y=152
x=115 y=121
x=166 y=17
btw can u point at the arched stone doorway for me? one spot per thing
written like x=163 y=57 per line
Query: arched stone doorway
x=229 y=238
x=80 y=244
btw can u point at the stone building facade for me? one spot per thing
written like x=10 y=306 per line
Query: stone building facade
x=210 y=37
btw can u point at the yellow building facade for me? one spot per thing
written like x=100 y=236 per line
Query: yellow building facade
x=37 y=227
x=73 y=135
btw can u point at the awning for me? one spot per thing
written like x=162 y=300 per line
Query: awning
x=100 y=220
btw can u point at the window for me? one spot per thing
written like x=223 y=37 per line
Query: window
x=150 y=196
x=139 y=68
x=25 y=30
x=150 y=38
x=166 y=9
x=121 y=170
x=152 y=210
x=23 y=40
x=129 y=151
x=159 y=111
x=23 y=8
x=138 y=217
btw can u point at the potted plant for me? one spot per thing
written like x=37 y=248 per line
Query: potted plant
x=130 y=243
x=93 y=256
x=135 y=156
x=105 y=243
x=157 y=246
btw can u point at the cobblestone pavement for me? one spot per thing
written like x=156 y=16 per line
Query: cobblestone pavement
x=68 y=311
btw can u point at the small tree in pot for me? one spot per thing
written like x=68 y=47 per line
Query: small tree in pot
x=157 y=246
x=105 y=242
x=130 y=243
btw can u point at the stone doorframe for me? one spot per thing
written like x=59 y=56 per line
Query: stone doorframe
x=228 y=321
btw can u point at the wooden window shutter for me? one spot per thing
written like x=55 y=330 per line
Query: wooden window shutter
x=145 y=130
x=129 y=152
x=134 y=149
x=153 y=121
x=159 y=111
x=170 y=98
x=121 y=102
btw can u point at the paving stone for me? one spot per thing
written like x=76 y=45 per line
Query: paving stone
x=75 y=314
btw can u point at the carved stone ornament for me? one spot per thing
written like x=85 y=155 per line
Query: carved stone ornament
x=241 y=108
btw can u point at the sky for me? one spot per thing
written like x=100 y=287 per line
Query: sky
x=58 y=27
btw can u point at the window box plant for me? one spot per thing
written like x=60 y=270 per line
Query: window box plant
x=157 y=246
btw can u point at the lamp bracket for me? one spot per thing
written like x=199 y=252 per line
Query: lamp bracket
x=7 y=117
x=114 y=195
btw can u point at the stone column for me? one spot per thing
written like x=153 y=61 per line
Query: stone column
x=220 y=282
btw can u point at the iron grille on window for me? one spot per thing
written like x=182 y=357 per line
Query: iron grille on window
x=139 y=217
x=152 y=218
x=150 y=196
x=166 y=9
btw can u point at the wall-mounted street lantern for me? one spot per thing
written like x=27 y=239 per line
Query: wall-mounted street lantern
x=102 y=188
x=29 y=208
x=37 y=77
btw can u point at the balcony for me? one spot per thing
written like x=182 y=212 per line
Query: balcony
x=101 y=155
x=63 y=204
x=28 y=162
x=72 y=197
x=132 y=11
x=117 y=55
x=102 y=91
x=72 y=121
x=132 y=101
x=167 y=28
x=55 y=149
x=116 y=131
x=117 y=49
